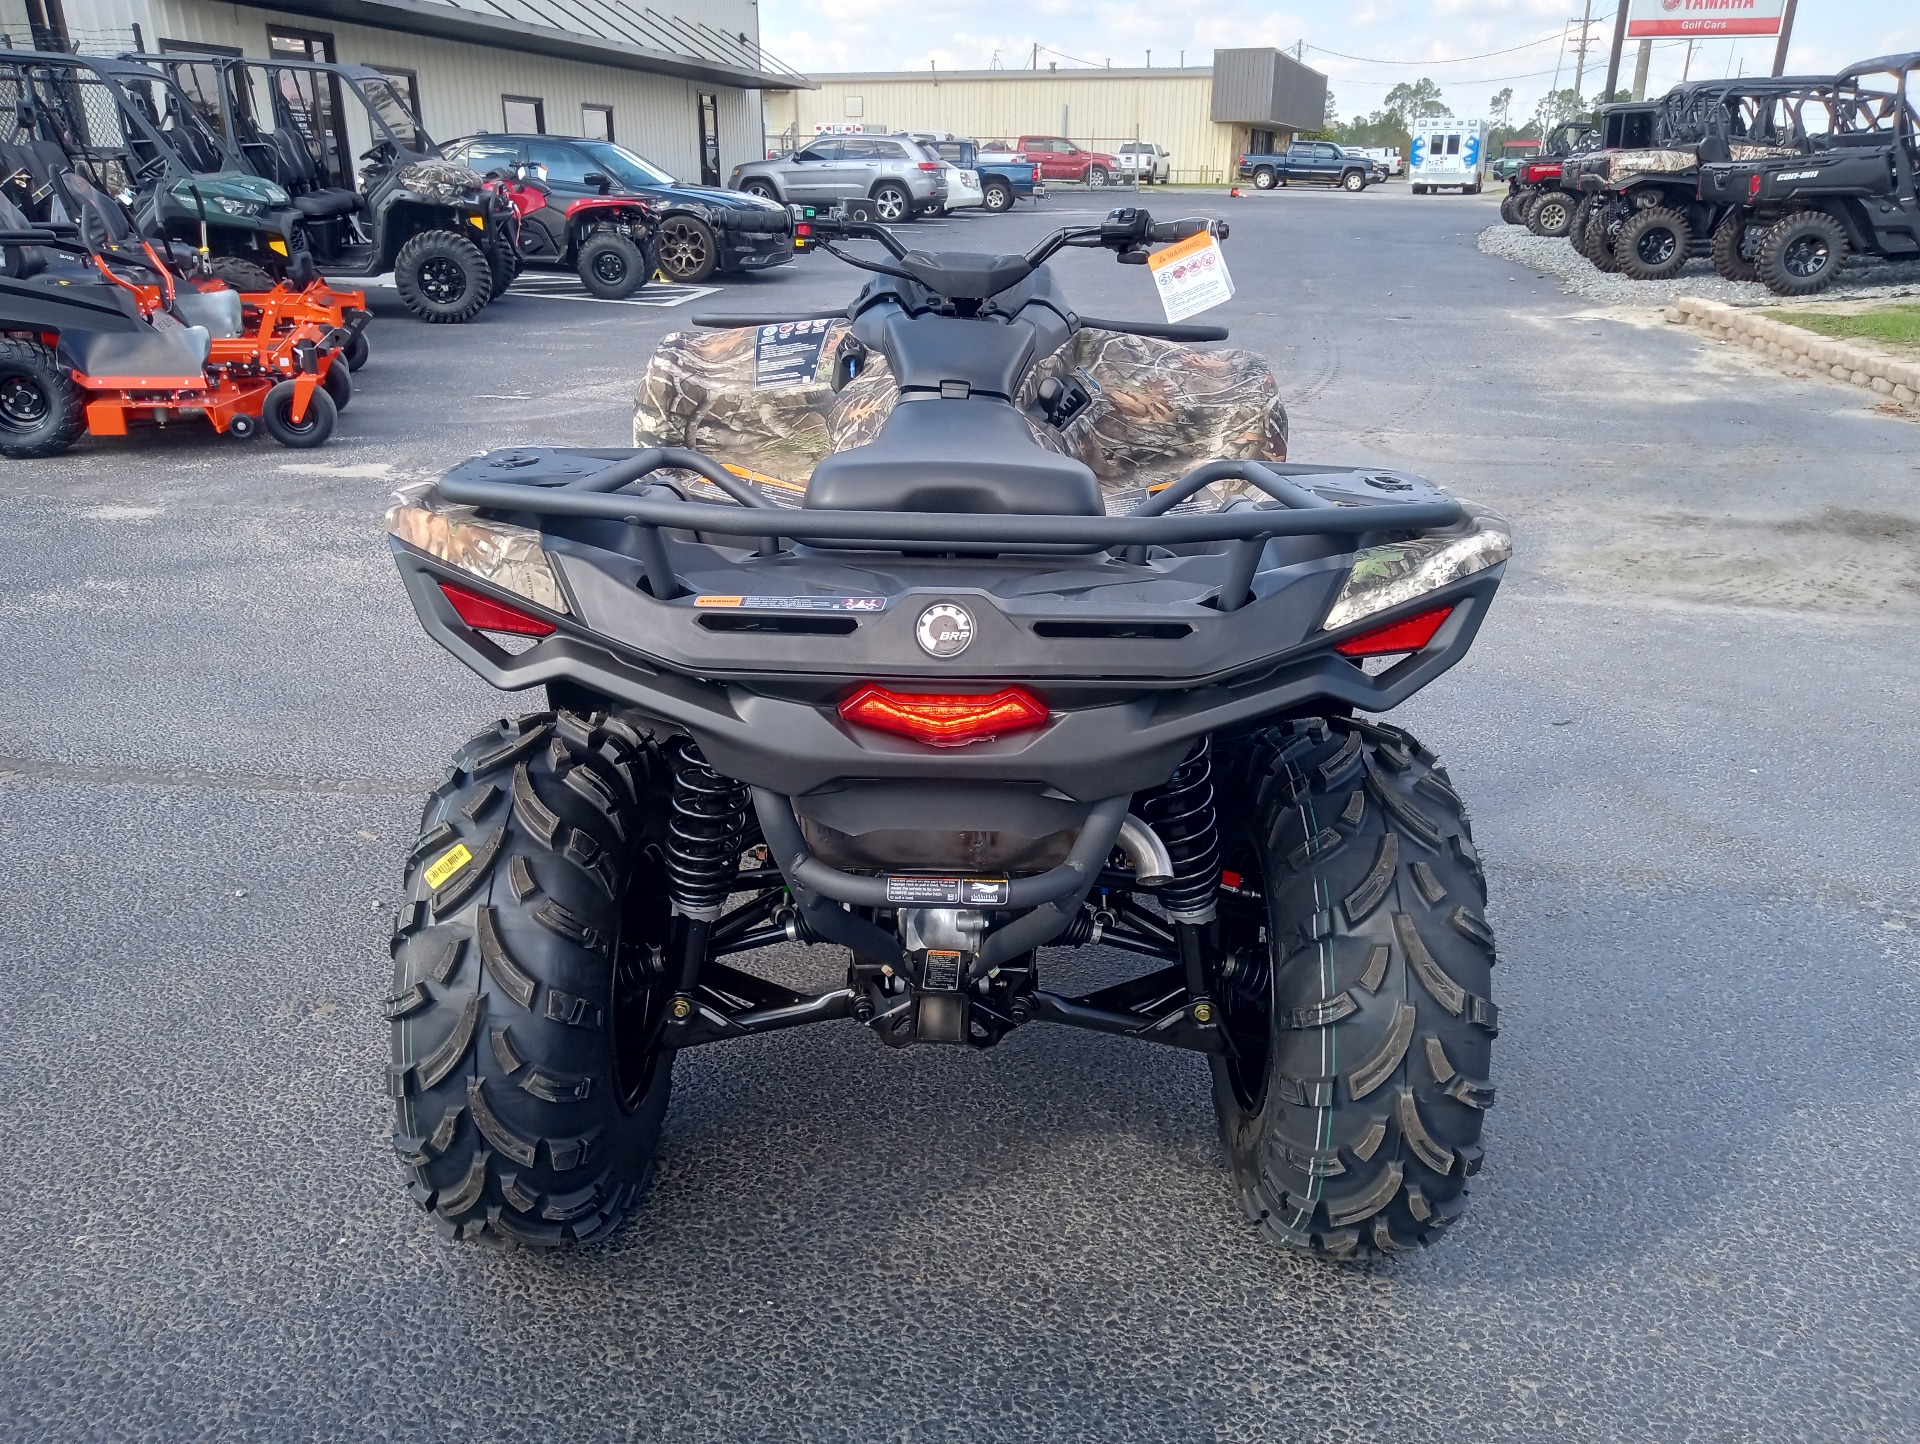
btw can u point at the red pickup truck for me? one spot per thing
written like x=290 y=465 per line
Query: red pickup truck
x=1060 y=159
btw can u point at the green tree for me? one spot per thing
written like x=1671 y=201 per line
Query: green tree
x=1415 y=100
x=1556 y=106
x=1499 y=107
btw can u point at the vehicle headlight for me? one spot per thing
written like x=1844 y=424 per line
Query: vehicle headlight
x=1386 y=576
x=509 y=557
x=235 y=207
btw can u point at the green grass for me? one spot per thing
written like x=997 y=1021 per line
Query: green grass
x=1890 y=325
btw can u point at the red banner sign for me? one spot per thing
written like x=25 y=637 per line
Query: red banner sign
x=1704 y=19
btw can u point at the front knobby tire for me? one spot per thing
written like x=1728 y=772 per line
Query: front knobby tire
x=528 y=1084
x=1362 y=1019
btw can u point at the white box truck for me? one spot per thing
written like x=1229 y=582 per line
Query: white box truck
x=1448 y=153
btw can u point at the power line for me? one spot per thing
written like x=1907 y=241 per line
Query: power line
x=1454 y=60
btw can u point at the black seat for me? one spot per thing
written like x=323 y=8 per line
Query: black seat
x=323 y=204
x=294 y=168
x=976 y=456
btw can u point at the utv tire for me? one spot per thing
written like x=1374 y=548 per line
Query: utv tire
x=1802 y=253
x=611 y=266
x=1652 y=245
x=505 y=269
x=689 y=252
x=528 y=1088
x=357 y=351
x=1351 y=1115
x=1577 y=227
x=312 y=430
x=998 y=196
x=1596 y=242
x=1736 y=245
x=241 y=275
x=443 y=277
x=1551 y=214
x=1508 y=204
x=892 y=206
x=42 y=412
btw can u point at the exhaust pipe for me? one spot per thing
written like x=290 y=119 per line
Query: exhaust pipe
x=1152 y=863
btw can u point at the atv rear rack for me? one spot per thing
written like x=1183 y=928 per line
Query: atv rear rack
x=1292 y=510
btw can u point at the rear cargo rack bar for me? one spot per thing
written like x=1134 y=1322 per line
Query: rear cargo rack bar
x=1291 y=511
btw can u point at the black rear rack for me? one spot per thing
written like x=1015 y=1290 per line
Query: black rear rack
x=1291 y=510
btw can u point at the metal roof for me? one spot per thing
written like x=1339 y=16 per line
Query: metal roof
x=601 y=32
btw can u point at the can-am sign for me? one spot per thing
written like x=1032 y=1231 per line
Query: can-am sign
x=1647 y=18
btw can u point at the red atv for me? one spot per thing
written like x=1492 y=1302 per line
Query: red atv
x=609 y=241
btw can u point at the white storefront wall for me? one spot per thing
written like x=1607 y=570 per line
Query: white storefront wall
x=461 y=85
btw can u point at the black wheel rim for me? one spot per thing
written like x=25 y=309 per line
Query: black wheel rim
x=683 y=250
x=443 y=280
x=1656 y=246
x=610 y=267
x=24 y=404
x=1750 y=238
x=1806 y=257
x=302 y=428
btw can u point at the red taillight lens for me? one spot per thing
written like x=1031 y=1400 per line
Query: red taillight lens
x=1036 y=172
x=1753 y=185
x=486 y=615
x=1409 y=634
x=945 y=719
x=931 y=165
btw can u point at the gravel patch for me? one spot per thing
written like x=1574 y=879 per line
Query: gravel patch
x=1861 y=279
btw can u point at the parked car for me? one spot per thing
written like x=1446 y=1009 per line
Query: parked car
x=1002 y=182
x=1145 y=162
x=1376 y=168
x=1388 y=156
x=700 y=230
x=964 y=190
x=1311 y=162
x=901 y=179
x=1059 y=159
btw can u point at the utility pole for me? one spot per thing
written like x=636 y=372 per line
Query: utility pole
x=1580 y=65
x=1641 y=63
x=1786 y=34
x=1619 y=40
x=1688 y=70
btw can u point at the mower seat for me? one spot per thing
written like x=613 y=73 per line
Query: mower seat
x=147 y=355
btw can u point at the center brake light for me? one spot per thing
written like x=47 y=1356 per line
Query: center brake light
x=484 y=614
x=942 y=719
x=1409 y=634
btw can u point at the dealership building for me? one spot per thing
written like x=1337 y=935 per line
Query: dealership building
x=1204 y=117
x=683 y=86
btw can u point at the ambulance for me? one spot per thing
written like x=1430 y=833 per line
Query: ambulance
x=1448 y=153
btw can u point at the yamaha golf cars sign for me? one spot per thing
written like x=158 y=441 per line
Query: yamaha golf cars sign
x=1646 y=18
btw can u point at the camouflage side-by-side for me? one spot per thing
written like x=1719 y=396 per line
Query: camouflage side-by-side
x=440 y=182
x=761 y=401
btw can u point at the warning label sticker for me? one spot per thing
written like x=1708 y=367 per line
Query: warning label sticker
x=977 y=892
x=1191 y=275
x=788 y=354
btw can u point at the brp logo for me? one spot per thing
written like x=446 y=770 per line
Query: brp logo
x=944 y=629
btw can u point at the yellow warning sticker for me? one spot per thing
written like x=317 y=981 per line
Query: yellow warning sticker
x=451 y=861
x=760 y=478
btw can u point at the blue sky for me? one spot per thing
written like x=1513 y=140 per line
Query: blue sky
x=830 y=35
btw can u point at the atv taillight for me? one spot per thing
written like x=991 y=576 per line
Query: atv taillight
x=942 y=719
x=484 y=614
x=1409 y=634
x=1753 y=185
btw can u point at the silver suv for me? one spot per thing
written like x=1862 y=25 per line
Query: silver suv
x=896 y=175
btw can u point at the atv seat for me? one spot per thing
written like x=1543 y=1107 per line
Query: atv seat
x=294 y=168
x=973 y=455
x=325 y=204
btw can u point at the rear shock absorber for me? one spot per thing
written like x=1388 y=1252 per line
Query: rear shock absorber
x=1182 y=812
x=705 y=830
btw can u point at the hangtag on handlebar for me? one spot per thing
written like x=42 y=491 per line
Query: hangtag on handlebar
x=1191 y=276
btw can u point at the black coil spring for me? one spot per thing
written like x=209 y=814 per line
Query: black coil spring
x=704 y=832
x=1182 y=812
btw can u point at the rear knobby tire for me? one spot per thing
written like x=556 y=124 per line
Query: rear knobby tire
x=1352 y=1116
x=1653 y=244
x=1551 y=214
x=1736 y=243
x=528 y=985
x=443 y=277
x=42 y=412
x=239 y=275
x=1802 y=254
x=611 y=266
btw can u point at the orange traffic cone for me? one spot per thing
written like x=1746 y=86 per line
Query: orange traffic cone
x=1234 y=192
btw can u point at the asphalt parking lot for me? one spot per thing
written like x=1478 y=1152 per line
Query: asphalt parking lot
x=1687 y=734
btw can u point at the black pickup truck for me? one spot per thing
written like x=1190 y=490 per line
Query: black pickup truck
x=1853 y=191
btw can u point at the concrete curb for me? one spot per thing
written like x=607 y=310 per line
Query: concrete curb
x=1799 y=349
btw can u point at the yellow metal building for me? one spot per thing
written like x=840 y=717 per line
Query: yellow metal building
x=1205 y=117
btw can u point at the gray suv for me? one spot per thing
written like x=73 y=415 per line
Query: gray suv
x=897 y=176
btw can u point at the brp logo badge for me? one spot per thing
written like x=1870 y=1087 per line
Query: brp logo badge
x=944 y=629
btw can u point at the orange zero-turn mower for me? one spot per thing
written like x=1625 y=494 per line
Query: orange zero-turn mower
x=85 y=349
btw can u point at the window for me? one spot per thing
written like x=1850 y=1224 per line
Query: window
x=856 y=106
x=397 y=103
x=490 y=154
x=525 y=114
x=564 y=164
x=888 y=150
x=820 y=150
x=1453 y=145
x=596 y=122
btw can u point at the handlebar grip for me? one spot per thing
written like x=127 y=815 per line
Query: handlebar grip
x=1180 y=230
